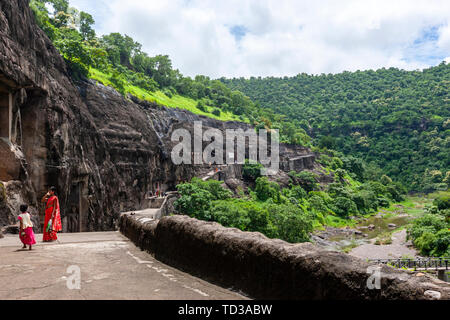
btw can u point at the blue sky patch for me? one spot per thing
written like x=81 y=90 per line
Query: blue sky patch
x=428 y=34
x=238 y=31
x=424 y=49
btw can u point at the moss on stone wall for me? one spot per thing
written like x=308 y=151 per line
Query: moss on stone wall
x=2 y=192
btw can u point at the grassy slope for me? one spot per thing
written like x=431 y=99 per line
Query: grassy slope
x=176 y=101
x=414 y=205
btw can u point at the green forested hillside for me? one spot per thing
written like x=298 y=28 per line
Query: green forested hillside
x=394 y=120
x=398 y=120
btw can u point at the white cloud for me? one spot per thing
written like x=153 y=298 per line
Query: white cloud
x=444 y=37
x=283 y=37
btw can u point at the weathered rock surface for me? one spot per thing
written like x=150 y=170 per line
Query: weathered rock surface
x=267 y=268
x=10 y=166
x=104 y=153
x=331 y=232
x=432 y=295
x=15 y=229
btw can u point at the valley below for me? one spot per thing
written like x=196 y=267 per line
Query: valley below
x=381 y=235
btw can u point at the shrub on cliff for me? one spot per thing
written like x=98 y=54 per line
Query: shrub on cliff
x=266 y=190
x=344 y=207
x=197 y=196
x=194 y=201
x=283 y=221
x=251 y=172
x=442 y=202
x=200 y=106
x=307 y=180
x=441 y=246
x=241 y=214
x=289 y=223
x=365 y=201
x=230 y=214
x=430 y=234
x=296 y=192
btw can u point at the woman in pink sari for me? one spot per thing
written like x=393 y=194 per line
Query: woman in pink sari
x=52 y=215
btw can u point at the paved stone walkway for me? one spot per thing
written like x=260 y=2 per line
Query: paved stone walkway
x=397 y=249
x=111 y=267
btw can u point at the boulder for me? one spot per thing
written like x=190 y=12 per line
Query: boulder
x=321 y=242
x=432 y=295
x=10 y=166
x=14 y=229
x=235 y=185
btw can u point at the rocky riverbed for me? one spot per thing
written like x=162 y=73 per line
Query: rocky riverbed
x=364 y=240
x=400 y=247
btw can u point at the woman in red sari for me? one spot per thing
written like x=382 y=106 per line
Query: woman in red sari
x=51 y=212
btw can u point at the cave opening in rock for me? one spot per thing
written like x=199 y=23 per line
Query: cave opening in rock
x=9 y=165
x=72 y=217
x=75 y=212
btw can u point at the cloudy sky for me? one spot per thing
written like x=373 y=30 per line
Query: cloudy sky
x=235 y=38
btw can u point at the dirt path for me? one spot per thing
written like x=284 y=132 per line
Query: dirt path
x=399 y=248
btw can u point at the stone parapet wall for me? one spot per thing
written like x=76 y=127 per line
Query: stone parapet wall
x=269 y=268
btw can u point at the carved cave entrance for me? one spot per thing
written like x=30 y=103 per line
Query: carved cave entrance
x=75 y=218
x=11 y=99
x=9 y=165
x=5 y=112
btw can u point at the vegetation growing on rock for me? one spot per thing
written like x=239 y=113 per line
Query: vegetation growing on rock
x=291 y=213
x=431 y=232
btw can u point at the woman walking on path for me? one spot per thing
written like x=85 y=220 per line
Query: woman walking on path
x=26 y=233
x=52 y=221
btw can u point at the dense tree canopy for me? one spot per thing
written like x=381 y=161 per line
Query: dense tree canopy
x=431 y=232
x=292 y=212
x=400 y=120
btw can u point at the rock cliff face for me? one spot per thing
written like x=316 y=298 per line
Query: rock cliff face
x=104 y=153
x=97 y=148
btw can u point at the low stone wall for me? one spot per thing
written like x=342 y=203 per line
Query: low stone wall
x=168 y=206
x=268 y=268
x=155 y=202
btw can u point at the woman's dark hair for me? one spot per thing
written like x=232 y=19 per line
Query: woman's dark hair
x=23 y=208
x=52 y=189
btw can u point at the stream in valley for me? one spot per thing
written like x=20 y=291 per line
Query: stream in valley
x=365 y=232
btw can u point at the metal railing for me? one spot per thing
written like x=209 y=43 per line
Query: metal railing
x=418 y=264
